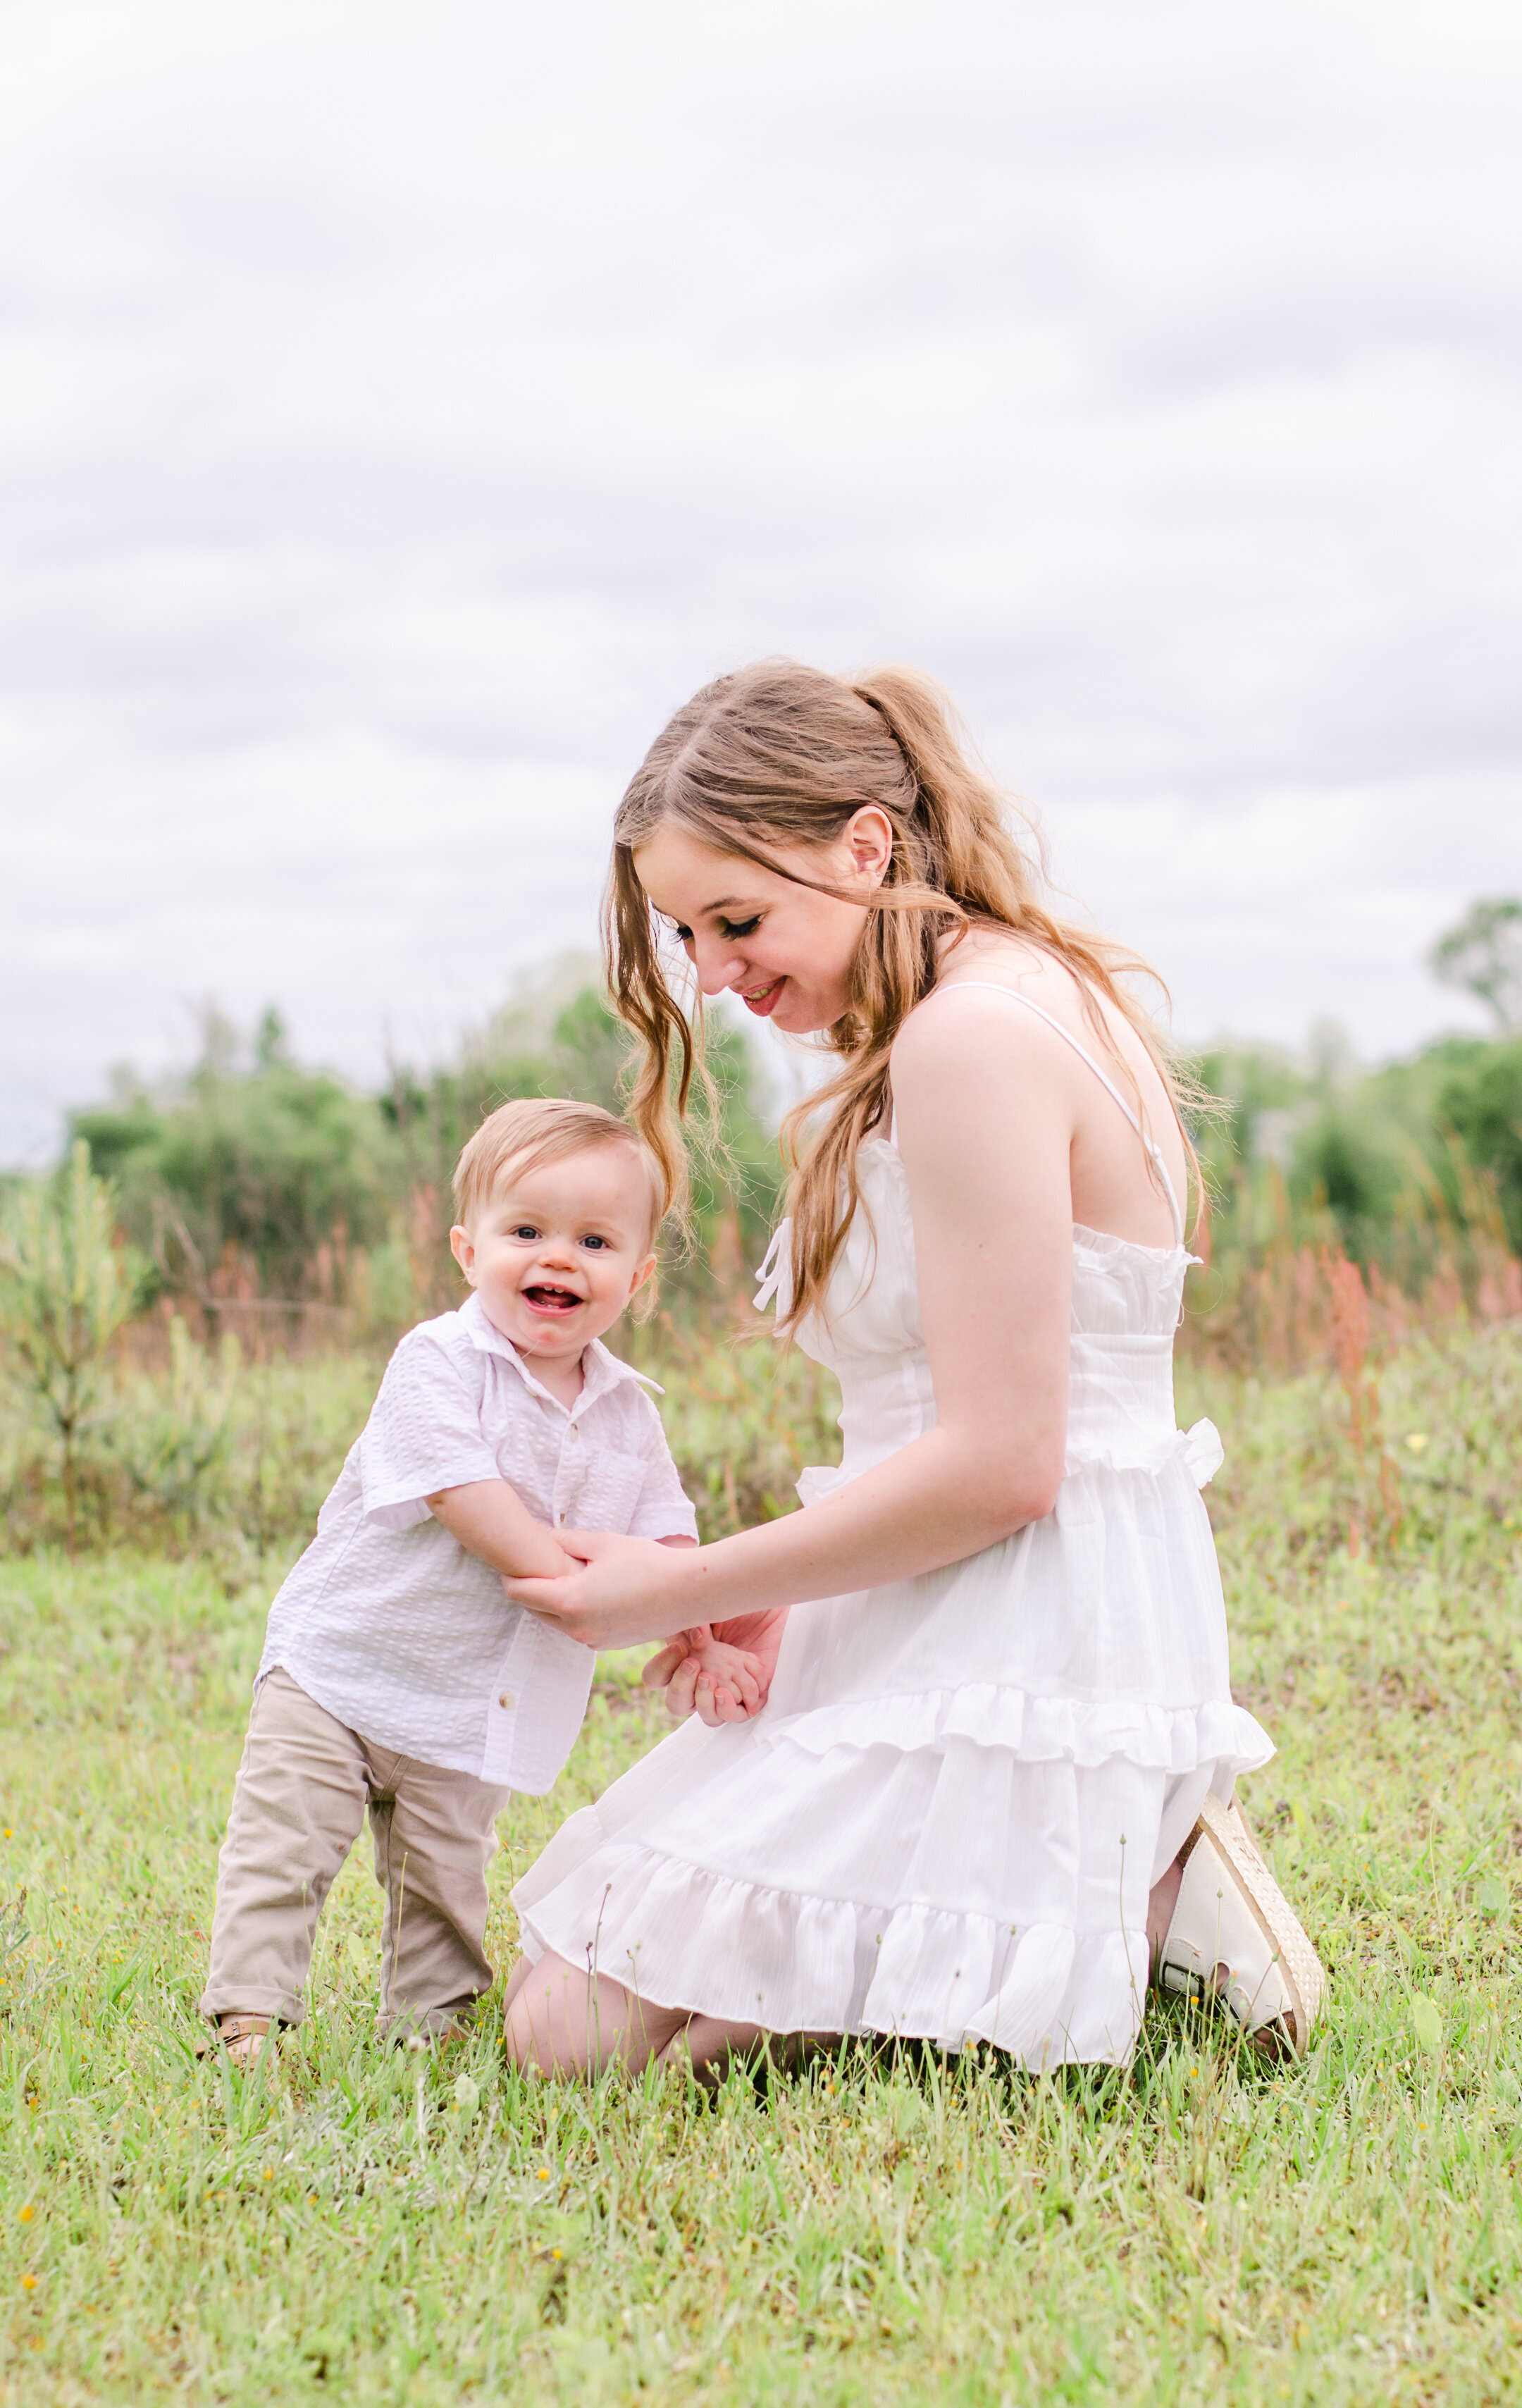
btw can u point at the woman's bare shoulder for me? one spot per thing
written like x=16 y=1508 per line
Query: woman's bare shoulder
x=994 y=958
x=947 y=1045
x=983 y=962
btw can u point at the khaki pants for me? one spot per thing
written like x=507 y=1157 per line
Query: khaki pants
x=303 y=1788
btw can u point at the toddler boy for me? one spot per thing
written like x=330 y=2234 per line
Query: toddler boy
x=395 y=1675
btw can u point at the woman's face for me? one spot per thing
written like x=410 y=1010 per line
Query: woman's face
x=784 y=949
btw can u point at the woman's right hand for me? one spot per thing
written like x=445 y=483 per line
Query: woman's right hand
x=621 y=1591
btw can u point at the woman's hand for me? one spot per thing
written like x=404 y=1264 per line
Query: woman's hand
x=685 y=1665
x=624 y=1590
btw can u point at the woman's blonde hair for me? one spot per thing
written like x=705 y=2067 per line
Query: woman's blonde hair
x=778 y=754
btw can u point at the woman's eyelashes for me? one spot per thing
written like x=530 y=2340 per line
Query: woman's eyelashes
x=728 y=929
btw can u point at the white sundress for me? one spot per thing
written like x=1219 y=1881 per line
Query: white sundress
x=946 y=1820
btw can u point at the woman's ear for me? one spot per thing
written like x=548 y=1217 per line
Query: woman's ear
x=868 y=836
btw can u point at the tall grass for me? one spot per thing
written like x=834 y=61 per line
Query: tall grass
x=362 y=2224
x=228 y=1444
x=1264 y=1297
x=358 y=2223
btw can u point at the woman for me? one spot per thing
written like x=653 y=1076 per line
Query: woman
x=990 y=1789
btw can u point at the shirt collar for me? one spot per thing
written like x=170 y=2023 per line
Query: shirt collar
x=601 y=1370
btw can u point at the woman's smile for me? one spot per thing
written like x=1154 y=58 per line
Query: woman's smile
x=762 y=1000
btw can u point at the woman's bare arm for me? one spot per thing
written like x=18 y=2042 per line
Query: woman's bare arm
x=985 y=1125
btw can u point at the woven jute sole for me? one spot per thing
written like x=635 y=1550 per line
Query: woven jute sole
x=1302 y=1967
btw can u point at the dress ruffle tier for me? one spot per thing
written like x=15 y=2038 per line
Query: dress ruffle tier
x=982 y=1872
x=947 y=1820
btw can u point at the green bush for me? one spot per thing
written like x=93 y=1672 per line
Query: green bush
x=65 y=1289
x=273 y=1164
x=1481 y=1100
x=1364 y=1156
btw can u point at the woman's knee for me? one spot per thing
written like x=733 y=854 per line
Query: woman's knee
x=560 y=2019
x=548 y=2020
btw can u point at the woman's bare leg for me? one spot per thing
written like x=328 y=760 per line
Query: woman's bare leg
x=516 y=1979
x=710 y=2046
x=561 y=2019
x=1160 y=1905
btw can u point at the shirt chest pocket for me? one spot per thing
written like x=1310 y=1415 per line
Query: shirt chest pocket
x=602 y=1492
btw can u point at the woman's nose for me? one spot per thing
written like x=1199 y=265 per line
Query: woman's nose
x=717 y=965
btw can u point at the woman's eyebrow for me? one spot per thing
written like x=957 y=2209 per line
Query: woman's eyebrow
x=728 y=903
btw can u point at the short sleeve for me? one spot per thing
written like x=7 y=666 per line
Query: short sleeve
x=423 y=1434
x=662 y=1510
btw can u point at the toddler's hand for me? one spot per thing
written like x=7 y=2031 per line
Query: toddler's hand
x=702 y=1674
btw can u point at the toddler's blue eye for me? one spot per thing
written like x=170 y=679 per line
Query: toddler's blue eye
x=524 y=1230
x=601 y=1243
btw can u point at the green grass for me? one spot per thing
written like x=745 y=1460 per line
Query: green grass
x=373 y=2226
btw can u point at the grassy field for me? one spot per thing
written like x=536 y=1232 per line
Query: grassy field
x=377 y=2226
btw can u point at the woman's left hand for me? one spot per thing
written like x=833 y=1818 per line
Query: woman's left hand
x=626 y=1590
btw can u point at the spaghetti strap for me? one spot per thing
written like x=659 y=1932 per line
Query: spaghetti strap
x=1154 y=1155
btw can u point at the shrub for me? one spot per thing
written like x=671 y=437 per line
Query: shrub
x=66 y=1287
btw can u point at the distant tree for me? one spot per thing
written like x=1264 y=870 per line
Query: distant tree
x=271 y=1159
x=1482 y=952
x=1480 y=1101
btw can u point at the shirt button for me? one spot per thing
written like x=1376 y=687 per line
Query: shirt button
x=507 y=1699
x=571 y=1432
x=561 y=1515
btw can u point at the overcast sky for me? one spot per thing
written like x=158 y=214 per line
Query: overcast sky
x=403 y=408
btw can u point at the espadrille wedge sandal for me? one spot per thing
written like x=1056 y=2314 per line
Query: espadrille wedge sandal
x=1235 y=1938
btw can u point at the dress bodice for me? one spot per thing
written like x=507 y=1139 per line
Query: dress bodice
x=1125 y=1304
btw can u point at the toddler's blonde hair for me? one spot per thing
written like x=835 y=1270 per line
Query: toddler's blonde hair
x=532 y=1130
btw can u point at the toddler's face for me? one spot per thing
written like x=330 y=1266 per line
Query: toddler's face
x=555 y=1253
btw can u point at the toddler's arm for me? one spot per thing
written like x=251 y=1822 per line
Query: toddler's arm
x=490 y=1520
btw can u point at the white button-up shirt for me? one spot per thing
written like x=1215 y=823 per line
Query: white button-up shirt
x=386 y=1620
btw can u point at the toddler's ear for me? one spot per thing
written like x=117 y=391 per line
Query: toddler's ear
x=462 y=1246
x=645 y=1271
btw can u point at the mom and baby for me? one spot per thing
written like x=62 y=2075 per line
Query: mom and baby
x=959 y=1750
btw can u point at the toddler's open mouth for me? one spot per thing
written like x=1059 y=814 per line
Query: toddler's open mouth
x=552 y=1299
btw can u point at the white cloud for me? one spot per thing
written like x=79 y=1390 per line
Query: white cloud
x=401 y=411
